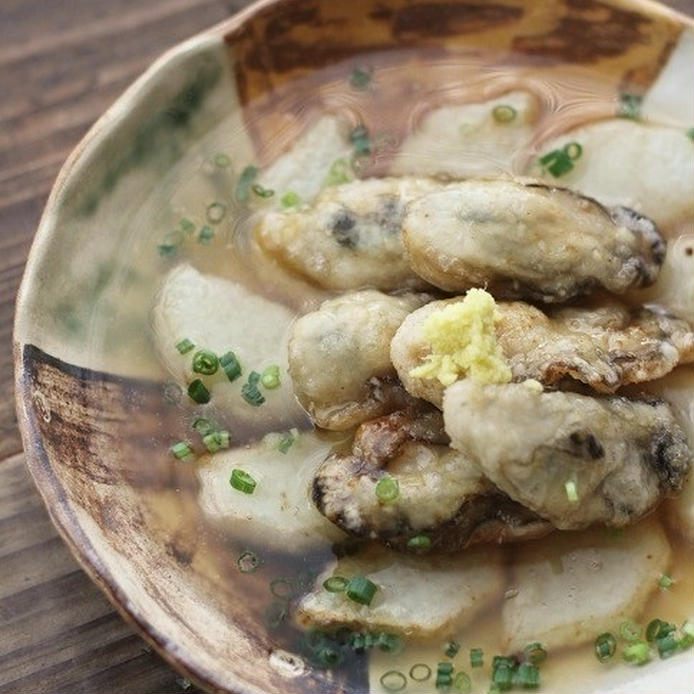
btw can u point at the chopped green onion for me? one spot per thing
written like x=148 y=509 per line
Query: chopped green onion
x=242 y=481
x=528 y=676
x=502 y=677
x=205 y=362
x=215 y=212
x=290 y=199
x=653 y=629
x=452 y=648
x=243 y=187
x=419 y=543
x=329 y=655
x=216 y=440
x=687 y=639
x=667 y=645
x=170 y=243
x=638 y=653
x=335 y=584
x=270 y=378
x=387 y=489
x=420 y=672
x=250 y=392
x=359 y=137
x=187 y=226
x=198 y=392
x=535 y=653
x=222 y=160
x=630 y=631
x=462 y=683
x=444 y=675
x=605 y=646
x=339 y=172
x=230 y=365
x=560 y=161
x=393 y=681
x=206 y=234
x=357 y=642
x=476 y=657
x=282 y=588
x=665 y=582
x=360 y=79
x=203 y=425
x=262 y=192
x=185 y=345
x=573 y=150
x=444 y=668
x=360 y=589
x=571 y=492
x=499 y=660
x=389 y=643
x=630 y=106
x=690 y=133
x=286 y=442
x=248 y=562
x=172 y=392
x=504 y=113
x=182 y=451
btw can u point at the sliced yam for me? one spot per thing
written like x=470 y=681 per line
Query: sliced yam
x=574 y=586
x=305 y=166
x=279 y=512
x=419 y=596
x=466 y=140
x=648 y=168
x=678 y=389
x=223 y=316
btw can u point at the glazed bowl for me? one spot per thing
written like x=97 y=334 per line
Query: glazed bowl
x=89 y=390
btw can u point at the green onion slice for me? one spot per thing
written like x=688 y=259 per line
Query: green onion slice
x=198 y=392
x=502 y=677
x=360 y=78
x=667 y=645
x=182 y=451
x=335 y=584
x=290 y=199
x=215 y=212
x=462 y=683
x=573 y=150
x=630 y=631
x=528 y=676
x=339 y=172
x=630 y=105
x=665 y=582
x=605 y=646
x=170 y=243
x=389 y=643
x=387 y=489
x=690 y=133
x=216 y=440
x=185 y=345
x=270 y=378
x=419 y=543
x=242 y=481
x=286 y=442
x=476 y=657
x=687 y=639
x=262 y=192
x=282 y=588
x=206 y=234
x=248 y=562
x=393 y=681
x=187 y=226
x=420 y=672
x=535 y=653
x=243 y=186
x=571 y=491
x=452 y=648
x=205 y=362
x=638 y=653
x=361 y=590
x=250 y=392
x=203 y=425
x=222 y=160
x=503 y=113
x=230 y=365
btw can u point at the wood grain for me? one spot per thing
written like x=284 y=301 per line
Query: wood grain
x=61 y=65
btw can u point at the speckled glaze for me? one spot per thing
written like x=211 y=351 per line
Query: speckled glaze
x=100 y=462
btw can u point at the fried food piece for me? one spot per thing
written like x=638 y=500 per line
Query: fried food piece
x=528 y=241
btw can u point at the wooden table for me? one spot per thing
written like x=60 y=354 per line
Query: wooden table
x=62 y=62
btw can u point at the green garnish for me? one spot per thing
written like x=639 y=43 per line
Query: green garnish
x=571 y=492
x=535 y=653
x=360 y=79
x=476 y=657
x=653 y=630
x=630 y=106
x=199 y=392
x=335 y=584
x=359 y=137
x=215 y=212
x=262 y=192
x=665 y=582
x=605 y=646
x=667 y=645
x=528 y=676
x=243 y=186
x=360 y=589
x=444 y=675
x=290 y=199
x=250 y=392
x=503 y=113
x=282 y=588
x=393 y=681
x=561 y=161
x=630 y=631
x=242 y=481
x=687 y=639
x=170 y=243
x=270 y=378
x=637 y=653
x=185 y=345
x=182 y=451
x=205 y=235
x=419 y=543
x=187 y=226
x=339 y=172
x=389 y=643
x=420 y=672
x=230 y=365
x=222 y=160
x=502 y=677
x=205 y=362
x=387 y=489
x=248 y=562
x=690 y=133
x=286 y=442
x=452 y=648
x=216 y=440
x=462 y=683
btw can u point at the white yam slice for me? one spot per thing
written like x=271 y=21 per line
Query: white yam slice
x=648 y=168
x=220 y=315
x=420 y=596
x=574 y=586
x=466 y=140
x=279 y=512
